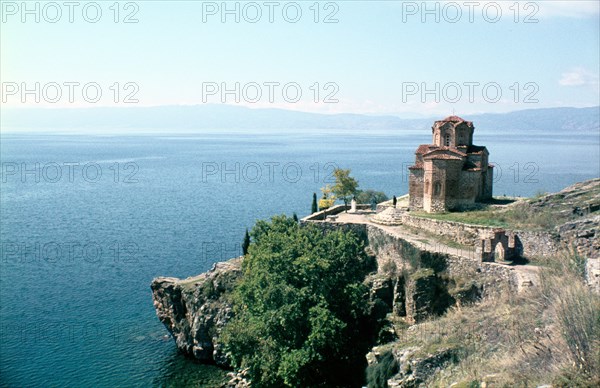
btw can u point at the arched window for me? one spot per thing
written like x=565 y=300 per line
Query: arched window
x=447 y=140
x=437 y=188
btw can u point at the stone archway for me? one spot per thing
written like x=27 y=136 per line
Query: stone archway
x=496 y=245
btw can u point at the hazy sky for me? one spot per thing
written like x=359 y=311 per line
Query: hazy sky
x=372 y=56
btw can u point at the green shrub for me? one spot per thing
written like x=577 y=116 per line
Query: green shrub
x=208 y=289
x=379 y=373
x=369 y=196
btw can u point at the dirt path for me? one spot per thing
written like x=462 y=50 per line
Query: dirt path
x=526 y=275
x=426 y=243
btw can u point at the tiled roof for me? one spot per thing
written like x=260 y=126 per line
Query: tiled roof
x=444 y=157
x=469 y=165
x=424 y=148
x=444 y=151
x=452 y=149
x=453 y=118
x=475 y=149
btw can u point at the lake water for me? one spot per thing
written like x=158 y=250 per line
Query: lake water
x=88 y=221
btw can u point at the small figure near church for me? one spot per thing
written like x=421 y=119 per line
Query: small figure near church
x=353 y=205
x=451 y=173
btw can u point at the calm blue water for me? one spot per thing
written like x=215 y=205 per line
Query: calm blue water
x=79 y=251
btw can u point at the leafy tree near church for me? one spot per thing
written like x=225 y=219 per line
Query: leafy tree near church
x=301 y=308
x=345 y=186
x=369 y=196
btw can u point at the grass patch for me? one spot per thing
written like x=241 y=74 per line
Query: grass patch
x=422 y=273
x=520 y=215
x=432 y=238
x=541 y=212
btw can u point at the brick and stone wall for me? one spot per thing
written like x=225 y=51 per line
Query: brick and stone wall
x=416 y=183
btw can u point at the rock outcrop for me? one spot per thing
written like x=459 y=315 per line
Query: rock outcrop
x=582 y=237
x=592 y=274
x=416 y=369
x=196 y=309
x=413 y=366
x=420 y=292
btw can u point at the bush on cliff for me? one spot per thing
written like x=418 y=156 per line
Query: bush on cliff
x=301 y=308
x=379 y=373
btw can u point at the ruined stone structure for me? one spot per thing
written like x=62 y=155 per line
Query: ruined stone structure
x=498 y=246
x=451 y=173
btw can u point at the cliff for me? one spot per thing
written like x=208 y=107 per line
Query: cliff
x=195 y=310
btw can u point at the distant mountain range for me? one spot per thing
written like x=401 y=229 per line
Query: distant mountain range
x=210 y=116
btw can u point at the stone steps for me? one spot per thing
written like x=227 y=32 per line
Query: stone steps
x=389 y=217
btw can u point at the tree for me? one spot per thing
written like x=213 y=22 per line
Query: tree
x=394 y=201
x=301 y=310
x=345 y=186
x=328 y=199
x=314 y=204
x=246 y=243
x=295 y=217
x=368 y=196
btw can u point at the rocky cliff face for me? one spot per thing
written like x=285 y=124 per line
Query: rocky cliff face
x=196 y=309
x=575 y=210
x=581 y=203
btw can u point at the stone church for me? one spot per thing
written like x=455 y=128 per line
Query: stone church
x=451 y=173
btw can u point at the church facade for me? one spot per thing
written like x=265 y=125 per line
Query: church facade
x=451 y=173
